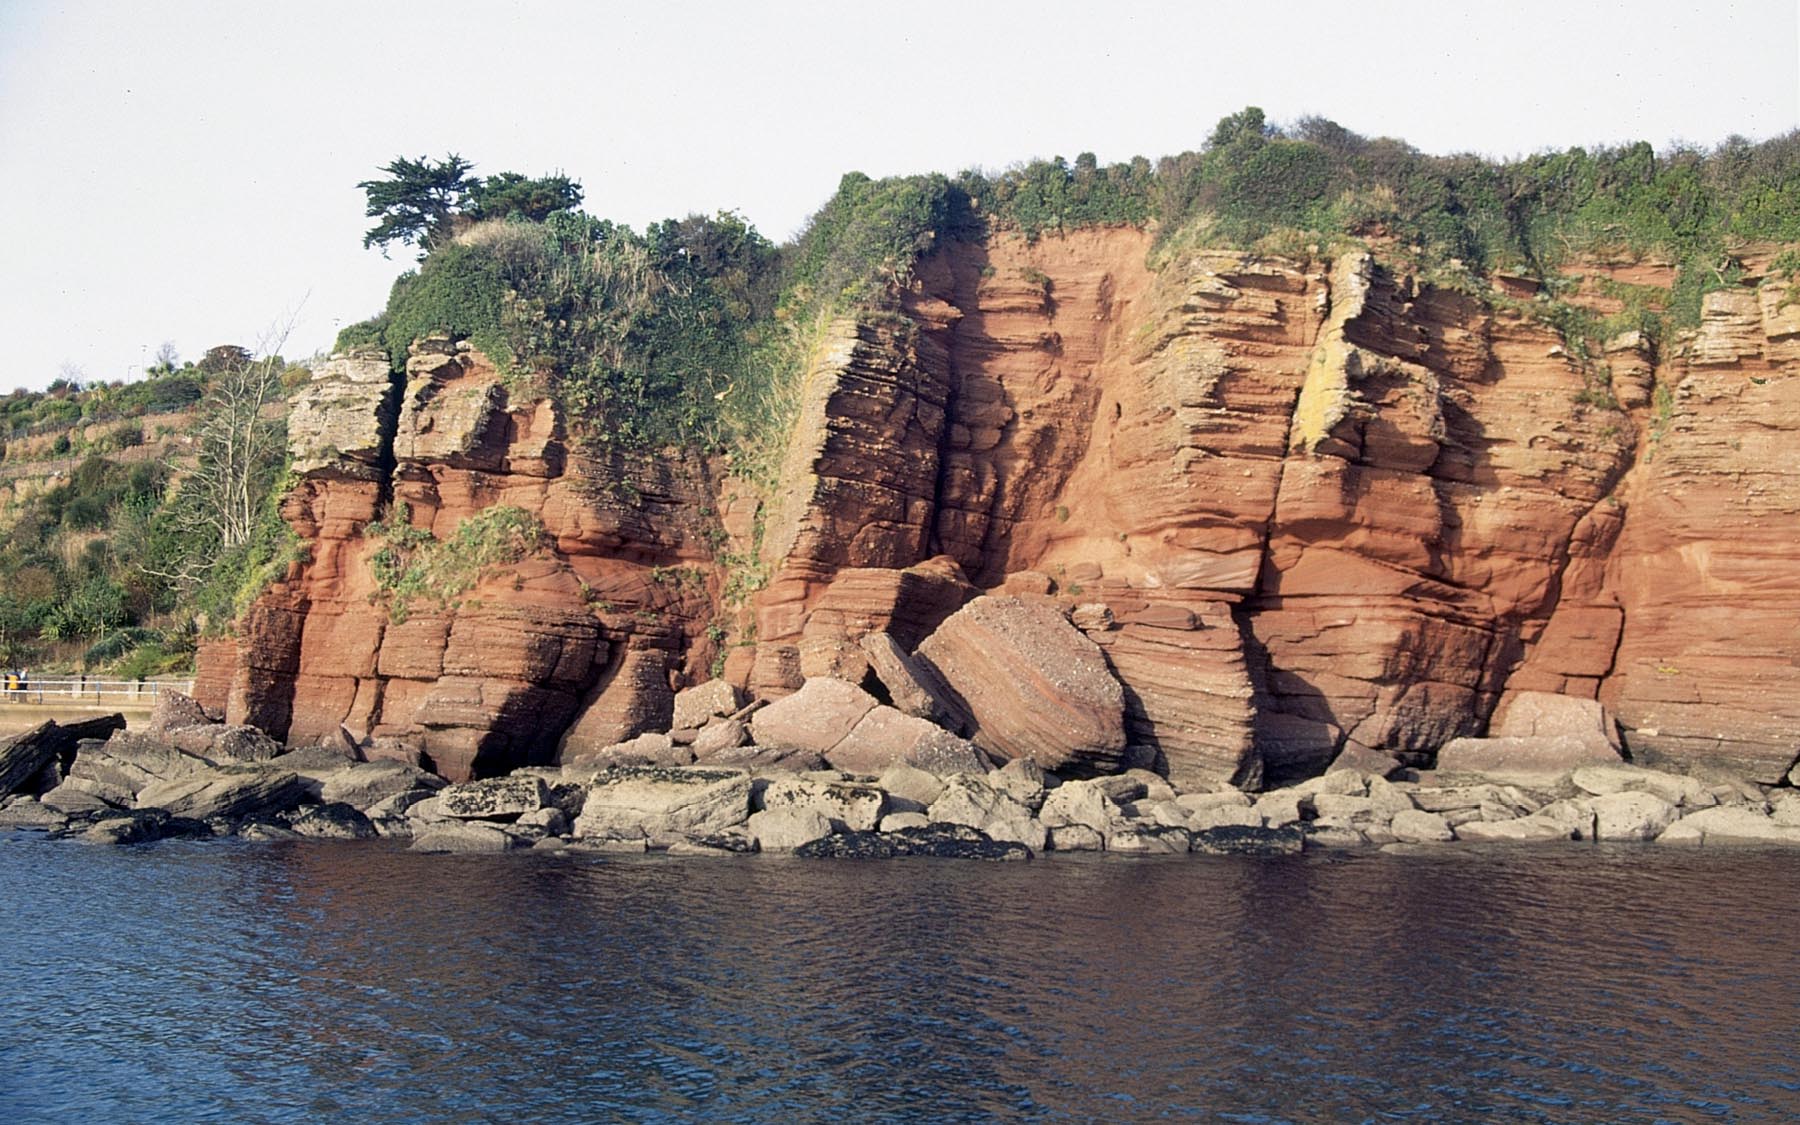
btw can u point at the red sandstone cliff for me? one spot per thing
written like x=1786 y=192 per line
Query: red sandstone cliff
x=1328 y=508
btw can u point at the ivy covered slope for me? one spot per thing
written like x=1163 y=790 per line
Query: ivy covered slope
x=140 y=515
x=694 y=331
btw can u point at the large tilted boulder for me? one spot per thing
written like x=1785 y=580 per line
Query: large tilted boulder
x=117 y=770
x=366 y=784
x=885 y=737
x=817 y=717
x=1030 y=684
x=910 y=690
x=1529 y=760
x=219 y=794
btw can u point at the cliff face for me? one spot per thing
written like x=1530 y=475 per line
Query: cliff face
x=1327 y=509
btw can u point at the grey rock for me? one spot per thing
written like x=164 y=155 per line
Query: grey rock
x=1220 y=816
x=494 y=798
x=911 y=784
x=465 y=836
x=784 y=829
x=1075 y=838
x=699 y=705
x=1201 y=802
x=366 y=784
x=225 y=794
x=1279 y=808
x=24 y=756
x=611 y=845
x=690 y=802
x=1234 y=840
x=1630 y=816
x=1525 y=829
x=973 y=804
x=848 y=806
x=549 y=820
x=1728 y=824
x=896 y=821
x=336 y=821
x=1021 y=779
x=398 y=805
x=1323 y=834
x=1687 y=792
x=28 y=813
x=71 y=801
x=726 y=734
x=1416 y=826
x=939 y=841
x=1147 y=839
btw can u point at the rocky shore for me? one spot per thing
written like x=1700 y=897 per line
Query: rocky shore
x=724 y=785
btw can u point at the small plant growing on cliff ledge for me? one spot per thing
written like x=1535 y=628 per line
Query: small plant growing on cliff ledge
x=413 y=563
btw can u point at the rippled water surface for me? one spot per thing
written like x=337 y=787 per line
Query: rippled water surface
x=230 y=981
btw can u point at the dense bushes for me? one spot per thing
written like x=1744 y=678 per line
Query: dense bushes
x=698 y=331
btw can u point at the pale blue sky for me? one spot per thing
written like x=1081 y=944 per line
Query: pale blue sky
x=186 y=171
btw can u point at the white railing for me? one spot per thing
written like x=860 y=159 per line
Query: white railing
x=86 y=689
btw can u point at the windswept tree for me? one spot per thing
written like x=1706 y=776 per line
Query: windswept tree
x=510 y=194
x=417 y=203
x=424 y=202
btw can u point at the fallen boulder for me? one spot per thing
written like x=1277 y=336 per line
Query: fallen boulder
x=817 y=717
x=906 y=685
x=366 y=784
x=217 y=794
x=969 y=802
x=660 y=803
x=493 y=798
x=939 y=841
x=1542 y=714
x=1729 y=824
x=698 y=706
x=24 y=756
x=1524 y=759
x=847 y=806
x=465 y=836
x=1031 y=685
x=784 y=829
x=1235 y=840
x=885 y=736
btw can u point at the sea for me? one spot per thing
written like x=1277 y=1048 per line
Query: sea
x=239 y=981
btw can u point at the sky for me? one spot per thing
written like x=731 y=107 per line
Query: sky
x=186 y=172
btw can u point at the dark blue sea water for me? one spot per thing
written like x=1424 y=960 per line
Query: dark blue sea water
x=234 y=981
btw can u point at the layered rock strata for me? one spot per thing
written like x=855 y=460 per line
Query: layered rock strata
x=1302 y=510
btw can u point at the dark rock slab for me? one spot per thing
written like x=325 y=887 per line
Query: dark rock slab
x=1237 y=839
x=938 y=841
